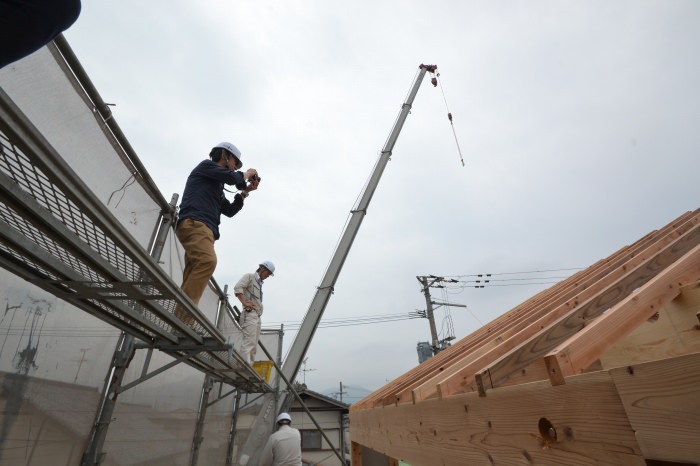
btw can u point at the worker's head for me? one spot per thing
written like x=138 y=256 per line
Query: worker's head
x=227 y=152
x=284 y=419
x=265 y=269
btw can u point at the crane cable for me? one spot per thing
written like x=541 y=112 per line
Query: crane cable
x=449 y=117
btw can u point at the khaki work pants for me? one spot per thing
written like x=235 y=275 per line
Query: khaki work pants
x=250 y=324
x=200 y=261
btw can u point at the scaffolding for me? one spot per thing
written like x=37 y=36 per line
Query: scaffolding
x=67 y=238
x=87 y=245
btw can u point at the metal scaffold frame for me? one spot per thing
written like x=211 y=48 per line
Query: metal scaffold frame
x=57 y=235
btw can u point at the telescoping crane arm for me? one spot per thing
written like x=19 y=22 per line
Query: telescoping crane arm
x=301 y=343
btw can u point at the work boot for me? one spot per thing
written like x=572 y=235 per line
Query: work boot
x=186 y=319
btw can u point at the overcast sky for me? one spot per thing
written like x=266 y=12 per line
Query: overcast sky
x=578 y=123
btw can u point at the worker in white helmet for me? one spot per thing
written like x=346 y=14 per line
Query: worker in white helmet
x=283 y=448
x=203 y=202
x=249 y=292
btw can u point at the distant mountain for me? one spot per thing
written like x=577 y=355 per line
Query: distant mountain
x=351 y=393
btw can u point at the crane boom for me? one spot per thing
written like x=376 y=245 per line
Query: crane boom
x=301 y=343
x=290 y=367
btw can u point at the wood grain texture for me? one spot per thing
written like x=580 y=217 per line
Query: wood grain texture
x=469 y=374
x=674 y=333
x=527 y=321
x=654 y=364
x=662 y=400
x=356 y=454
x=548 y=339
x=586 y=346
x=587 y=426
x=402 y=389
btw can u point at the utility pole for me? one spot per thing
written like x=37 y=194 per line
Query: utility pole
x=429 y=308
x=341 y=392
x=437 y=345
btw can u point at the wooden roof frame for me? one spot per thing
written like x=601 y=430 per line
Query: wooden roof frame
x=553 y=345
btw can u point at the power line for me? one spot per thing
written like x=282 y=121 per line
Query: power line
x=345 y=322
x=512 y=273
x=512 y=279
x=487 y=280
x=490 y=285
x=451 y=284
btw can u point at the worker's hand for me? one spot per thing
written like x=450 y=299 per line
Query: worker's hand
x=253 y=185
x=251 y=175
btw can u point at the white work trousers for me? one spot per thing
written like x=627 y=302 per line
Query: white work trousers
x=250 y=324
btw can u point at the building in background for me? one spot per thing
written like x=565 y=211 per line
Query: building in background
x=331 y=415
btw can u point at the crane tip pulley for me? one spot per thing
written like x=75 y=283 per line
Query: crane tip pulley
x=430 y=69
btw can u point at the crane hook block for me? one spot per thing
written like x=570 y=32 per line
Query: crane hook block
x=433 y=81
x=449 y=116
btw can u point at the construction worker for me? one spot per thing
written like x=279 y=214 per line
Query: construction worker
x=283 y=448
x=249 y=292
x=202 y=204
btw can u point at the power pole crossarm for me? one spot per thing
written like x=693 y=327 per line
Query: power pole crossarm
x=437 y=303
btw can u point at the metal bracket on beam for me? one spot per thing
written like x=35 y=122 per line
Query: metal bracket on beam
x=221 y=397
x=174 y=363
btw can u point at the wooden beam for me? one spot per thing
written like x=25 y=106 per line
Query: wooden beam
x=516 y=353
x=581 y=350
x=388 y=393
x=423 y=386
x=662 y=401
x=675 y=333
x=355 y=454
x=580 y=423
x=497 y=373
x=476 y=345
x=516 y=334
x=564 y=290
x=402 y=389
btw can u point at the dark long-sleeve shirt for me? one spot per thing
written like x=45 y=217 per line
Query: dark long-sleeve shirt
x=204 y=198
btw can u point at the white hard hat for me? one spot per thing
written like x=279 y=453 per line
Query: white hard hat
x=232 y=149
x=284 y=417
x=269 y=266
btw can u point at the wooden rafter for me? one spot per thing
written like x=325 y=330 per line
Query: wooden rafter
x=553 y=325
x=497 y=373
x=632 y=383
x=531 y=322
x=421 y=382
x=581 y=350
